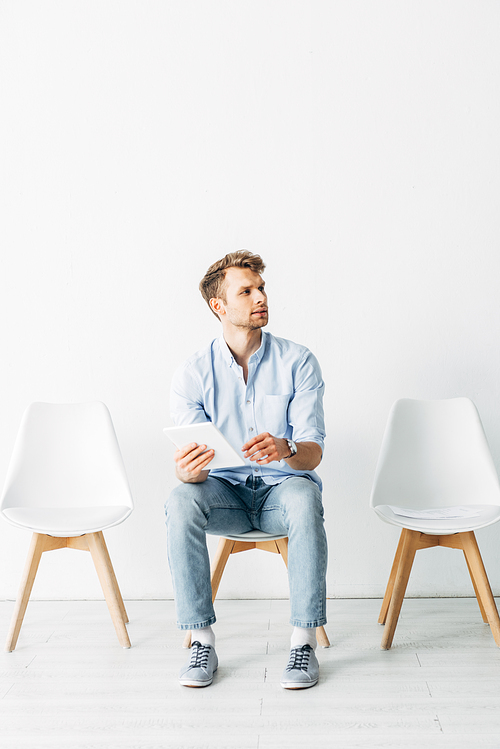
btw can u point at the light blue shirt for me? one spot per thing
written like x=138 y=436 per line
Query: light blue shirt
x=283 y=396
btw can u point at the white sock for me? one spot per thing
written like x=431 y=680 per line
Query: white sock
x=303 y=636
x=205 y=636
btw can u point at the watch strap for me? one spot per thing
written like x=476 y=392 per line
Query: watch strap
x=293 y=449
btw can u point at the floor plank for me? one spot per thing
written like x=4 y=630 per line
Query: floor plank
x=69 y=684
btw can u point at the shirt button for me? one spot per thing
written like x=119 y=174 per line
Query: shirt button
x=249 y=401
x=256 y=470
x=251 y=429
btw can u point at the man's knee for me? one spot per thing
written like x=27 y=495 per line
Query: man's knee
x=183 y=504
x=301 y=499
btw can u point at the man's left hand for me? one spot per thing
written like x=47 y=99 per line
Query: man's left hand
x=264 y=448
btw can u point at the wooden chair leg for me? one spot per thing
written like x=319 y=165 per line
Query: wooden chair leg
x=390 y=584
x=27 y=580
x=410 y=545
x=282 y=544
x=478 y=597
x=222 y=554
x=321 y=636
x=481 y=583
x=80 y=542
x=107 y=578
x=114 y=581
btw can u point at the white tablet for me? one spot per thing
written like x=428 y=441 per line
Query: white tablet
x=207 y=434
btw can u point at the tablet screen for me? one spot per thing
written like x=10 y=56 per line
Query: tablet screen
x=207 y=434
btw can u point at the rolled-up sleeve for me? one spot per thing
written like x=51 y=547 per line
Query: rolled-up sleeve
x=305 y=410
x=186 y=398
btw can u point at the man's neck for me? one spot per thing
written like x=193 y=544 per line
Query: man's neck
x=243 y=343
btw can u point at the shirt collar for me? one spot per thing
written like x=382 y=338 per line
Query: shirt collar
x=254 y=359
x=257 y=356
x=226 y=351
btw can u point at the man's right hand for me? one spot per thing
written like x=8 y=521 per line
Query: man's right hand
x=191 y=464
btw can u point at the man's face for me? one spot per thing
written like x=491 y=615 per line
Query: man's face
x=245 y=300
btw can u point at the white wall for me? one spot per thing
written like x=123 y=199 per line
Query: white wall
x=353 y=144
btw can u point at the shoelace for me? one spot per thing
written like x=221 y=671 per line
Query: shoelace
x=299 y=658
x=199 y=655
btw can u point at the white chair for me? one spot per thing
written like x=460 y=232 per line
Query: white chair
x=435 y=455
x=232 y=544
x=67 y=483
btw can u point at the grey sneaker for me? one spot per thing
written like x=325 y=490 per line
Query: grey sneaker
x=302 y=670
x=199 y=670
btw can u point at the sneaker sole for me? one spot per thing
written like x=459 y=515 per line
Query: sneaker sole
x=192 y=683
x=297 y=685
x=195 y=683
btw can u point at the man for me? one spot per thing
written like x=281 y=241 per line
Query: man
x=265 y=394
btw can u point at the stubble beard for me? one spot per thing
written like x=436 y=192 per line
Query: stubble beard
x=261 y=322
x=251 y=324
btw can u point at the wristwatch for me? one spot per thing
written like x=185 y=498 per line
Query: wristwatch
x=293 y=449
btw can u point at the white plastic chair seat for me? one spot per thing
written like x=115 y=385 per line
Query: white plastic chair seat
x=488 y=514
x=66 y=521
x=254 y=536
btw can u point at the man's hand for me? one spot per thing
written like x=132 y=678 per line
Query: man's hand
x=191 y=464
x=265 y=448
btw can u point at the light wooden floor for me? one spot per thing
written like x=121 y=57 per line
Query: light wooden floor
x=70 y=685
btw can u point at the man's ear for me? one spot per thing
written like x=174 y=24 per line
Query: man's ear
x=217 y=306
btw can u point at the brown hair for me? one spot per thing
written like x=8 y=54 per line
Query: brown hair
x=212 y=283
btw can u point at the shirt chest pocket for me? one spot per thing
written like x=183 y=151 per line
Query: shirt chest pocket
x=272 y=414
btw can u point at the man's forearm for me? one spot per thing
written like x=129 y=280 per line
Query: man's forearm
x=307 y=457
x=265 y=448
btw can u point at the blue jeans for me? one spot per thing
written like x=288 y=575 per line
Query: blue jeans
x=215 y=506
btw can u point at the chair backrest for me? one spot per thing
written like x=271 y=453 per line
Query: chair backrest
x=435 y=454
x=66 y=455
